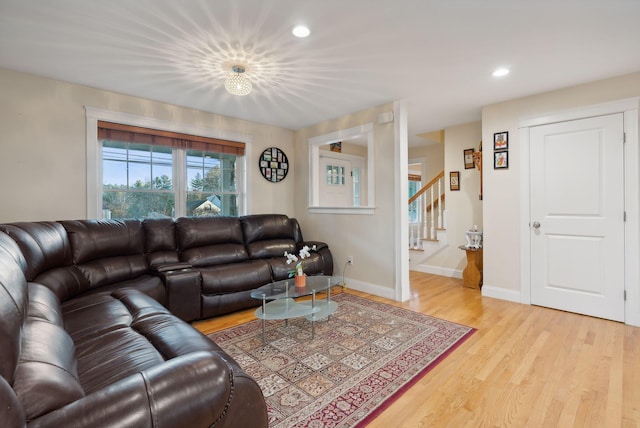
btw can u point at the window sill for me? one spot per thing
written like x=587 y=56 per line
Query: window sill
x=342 y=210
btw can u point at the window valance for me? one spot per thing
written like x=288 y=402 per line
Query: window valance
x=136 y=134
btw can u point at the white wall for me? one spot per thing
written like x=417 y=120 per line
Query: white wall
x=464 y=206
x=42 y=147
x=433 y=155
x=502 y=246
x=370 y=239
x=43 y=167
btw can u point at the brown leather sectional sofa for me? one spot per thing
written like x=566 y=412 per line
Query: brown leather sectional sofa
x=93 y=331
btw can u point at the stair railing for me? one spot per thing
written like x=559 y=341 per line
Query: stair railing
x=426 y=212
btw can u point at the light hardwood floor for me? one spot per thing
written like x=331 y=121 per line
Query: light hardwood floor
x=525 y=366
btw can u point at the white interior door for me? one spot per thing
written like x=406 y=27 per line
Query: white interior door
x=336 y=187
x=577 y=216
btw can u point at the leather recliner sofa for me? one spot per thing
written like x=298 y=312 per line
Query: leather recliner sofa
x=90 y=329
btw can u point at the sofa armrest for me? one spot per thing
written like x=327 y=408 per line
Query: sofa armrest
x=319 y=245
x=167 y=267
x=183 y=291
x=195 y=390
x=323 y=249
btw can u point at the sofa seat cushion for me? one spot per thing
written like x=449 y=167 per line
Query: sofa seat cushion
x=122 y=333
x=235 y=277
x=114 y=355
x=150 y=285
x=94 y=315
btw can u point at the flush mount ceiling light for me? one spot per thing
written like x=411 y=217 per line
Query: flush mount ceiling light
x=236 y=83
x=300 y=31
x=500 y=72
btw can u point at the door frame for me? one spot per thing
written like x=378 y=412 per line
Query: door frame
x=630 y=108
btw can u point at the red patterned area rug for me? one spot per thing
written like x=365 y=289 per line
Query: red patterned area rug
x=360 y=361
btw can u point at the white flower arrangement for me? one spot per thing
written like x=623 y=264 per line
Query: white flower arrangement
x=303 y=254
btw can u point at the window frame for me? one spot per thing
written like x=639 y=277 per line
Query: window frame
x=314 y=170
x=94 y=157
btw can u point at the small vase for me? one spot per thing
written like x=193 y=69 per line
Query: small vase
x=301 y=281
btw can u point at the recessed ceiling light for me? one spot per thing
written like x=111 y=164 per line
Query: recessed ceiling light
x=500 y=72
x=300 y=31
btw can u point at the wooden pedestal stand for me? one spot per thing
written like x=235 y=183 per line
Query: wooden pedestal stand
x=472 y=274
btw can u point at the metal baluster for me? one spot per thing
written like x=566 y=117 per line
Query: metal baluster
x=313 y=317
x=328 y=299
x=264 y=308
x=286 y=303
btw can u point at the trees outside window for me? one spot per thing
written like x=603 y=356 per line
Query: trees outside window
x=146 y=180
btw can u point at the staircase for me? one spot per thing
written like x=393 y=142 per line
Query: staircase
x=427 y=220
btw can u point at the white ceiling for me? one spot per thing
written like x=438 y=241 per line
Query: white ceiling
x=437 y=55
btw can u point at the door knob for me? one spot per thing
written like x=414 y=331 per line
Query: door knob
x=536 y=225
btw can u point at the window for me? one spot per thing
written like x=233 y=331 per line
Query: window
x=335 y=175
x=356 y=186
x=342 y=182
x=414 y=186
x=148 y=173
x=211 y=184
x=137 y=180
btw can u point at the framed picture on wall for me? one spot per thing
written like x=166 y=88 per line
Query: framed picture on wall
x=454 y=180
x=501 y=160
x=468 y=159
x=274 y=164
x=501 y=140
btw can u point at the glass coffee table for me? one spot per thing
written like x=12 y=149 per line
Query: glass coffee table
x=278 y=301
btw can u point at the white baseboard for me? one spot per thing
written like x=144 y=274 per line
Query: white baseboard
x=501 y=293
x=632 y=318
x=437 y=270
x=375 y=289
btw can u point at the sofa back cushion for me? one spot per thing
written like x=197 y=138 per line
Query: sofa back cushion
x=44 y=305
x=107 y=251
x=13 y=305
x=11 y=411
x=210 y=241
x=160 y=241
x=268 y=235
x=47 y=251
x=46 y=377
x=44 y=245
x=95 y=239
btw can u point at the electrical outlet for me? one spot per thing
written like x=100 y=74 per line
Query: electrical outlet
x=350 y=260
